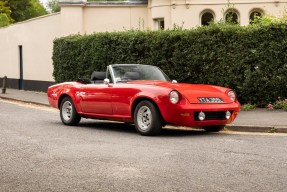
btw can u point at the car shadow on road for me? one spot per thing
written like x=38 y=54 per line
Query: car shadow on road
x=130 y=129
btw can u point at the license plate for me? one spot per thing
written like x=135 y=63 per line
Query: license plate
x=210 y=100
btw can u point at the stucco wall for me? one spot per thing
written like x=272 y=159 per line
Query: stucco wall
x=36 y=37
x=72 y=19
x=114 y=18
x=187 y=13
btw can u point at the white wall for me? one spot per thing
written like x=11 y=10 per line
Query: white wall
x=114 y=18
x=189 y=11
x=72 y=19
x=36 y=37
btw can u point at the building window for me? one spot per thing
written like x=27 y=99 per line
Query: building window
x=206 y=18
x=232 y=16
x=254 y=14
x=159 y=23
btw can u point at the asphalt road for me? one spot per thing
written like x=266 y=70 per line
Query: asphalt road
x=38 y=153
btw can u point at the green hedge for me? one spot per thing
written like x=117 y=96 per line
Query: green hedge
x=252 y=60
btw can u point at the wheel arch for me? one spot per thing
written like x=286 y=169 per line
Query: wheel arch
x=61 y=99
x=73 y=97
x=138 y=100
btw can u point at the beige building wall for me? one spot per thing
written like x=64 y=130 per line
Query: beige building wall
x=79 y=16
x=187 y=13
x=36 y=38
x=114 y=18
x=72 y=19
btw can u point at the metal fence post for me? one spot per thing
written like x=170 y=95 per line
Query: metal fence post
x=4 y=84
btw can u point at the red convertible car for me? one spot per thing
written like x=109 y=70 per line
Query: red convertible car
x=145 y=96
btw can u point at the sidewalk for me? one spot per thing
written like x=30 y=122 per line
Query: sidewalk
x=25 y=96
x=257 y=120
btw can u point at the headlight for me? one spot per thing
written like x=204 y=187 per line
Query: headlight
x=174 y=97
x=232 y=95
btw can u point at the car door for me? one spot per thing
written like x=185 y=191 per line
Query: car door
x=121 y=99
x=96 y=99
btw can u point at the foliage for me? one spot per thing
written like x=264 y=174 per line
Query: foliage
x=5 y=12
x=273 y=130
x=26 y=9
x=228 y=15
x=53 y=6
x=252 y=60
x=280 y=104
x=267 y=20
x=248 y=107
x=4 y=20
x=270 y=106
x=37 y=9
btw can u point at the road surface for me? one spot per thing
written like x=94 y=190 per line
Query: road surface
x=39 y=153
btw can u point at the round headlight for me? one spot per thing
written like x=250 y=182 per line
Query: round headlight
x=174 y=97
x=232 y=95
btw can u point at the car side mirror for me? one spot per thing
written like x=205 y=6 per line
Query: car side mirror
x=174 y=81
x=106 y=81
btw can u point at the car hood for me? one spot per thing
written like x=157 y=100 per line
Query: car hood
x=192 y=91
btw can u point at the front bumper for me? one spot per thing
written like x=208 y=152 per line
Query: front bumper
x=185 y=115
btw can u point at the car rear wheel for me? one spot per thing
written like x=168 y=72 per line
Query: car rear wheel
x=68 y=113
x=215 y=128
x=147 y=119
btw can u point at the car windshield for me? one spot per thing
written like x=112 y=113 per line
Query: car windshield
x=125 y=73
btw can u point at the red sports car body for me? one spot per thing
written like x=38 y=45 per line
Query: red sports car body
x=144 y=95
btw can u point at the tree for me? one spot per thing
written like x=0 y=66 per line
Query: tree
x=5 y=12
x=4 y=21
x=26 y=9
x=37 y=9
x=53 y=6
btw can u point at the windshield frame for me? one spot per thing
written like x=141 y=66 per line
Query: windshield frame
x=110 y=70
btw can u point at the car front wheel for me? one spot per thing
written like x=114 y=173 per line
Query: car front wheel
x=147 y=119
x=215 y=128
x=68 y=113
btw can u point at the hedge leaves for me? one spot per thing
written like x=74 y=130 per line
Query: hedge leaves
x=252 y=60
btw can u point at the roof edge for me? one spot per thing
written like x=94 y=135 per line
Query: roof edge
x=84 y=2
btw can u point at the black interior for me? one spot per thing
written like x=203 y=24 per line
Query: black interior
x=98 y=77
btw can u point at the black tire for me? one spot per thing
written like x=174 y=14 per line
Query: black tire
x=68 y=112
x=147 y=119
x=215 y=128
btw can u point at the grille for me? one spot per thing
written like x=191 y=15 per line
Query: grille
x=214 y=115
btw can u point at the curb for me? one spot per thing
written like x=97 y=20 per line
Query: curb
x=256 y=128
x=23 y=101
x=280 y=129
